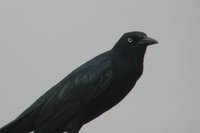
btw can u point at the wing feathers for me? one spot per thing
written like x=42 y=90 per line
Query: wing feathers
x=78 y=89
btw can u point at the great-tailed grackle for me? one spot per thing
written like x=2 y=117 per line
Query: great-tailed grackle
x=88 y=91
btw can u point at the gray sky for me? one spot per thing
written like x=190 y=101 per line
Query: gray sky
x=41 y=41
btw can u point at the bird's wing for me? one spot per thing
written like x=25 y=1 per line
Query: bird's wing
x=77 y=90
x=39 y=102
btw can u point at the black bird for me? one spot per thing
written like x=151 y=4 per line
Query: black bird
x=88 y=91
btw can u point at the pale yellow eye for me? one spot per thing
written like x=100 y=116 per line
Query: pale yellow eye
x=130 y=40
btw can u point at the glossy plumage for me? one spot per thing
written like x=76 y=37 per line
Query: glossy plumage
x=88 y=91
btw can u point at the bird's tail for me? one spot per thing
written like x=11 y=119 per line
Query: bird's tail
x=10 y=128
x=20 y=125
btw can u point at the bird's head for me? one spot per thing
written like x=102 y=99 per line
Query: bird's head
x=133 y=43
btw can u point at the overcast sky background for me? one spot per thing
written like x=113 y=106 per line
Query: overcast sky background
x=41 y=41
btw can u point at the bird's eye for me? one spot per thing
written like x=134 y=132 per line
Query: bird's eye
x=130 y=40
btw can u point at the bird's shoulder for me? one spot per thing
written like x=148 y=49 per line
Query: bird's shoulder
x=91 y=73
x=71 y=87
x=78 y=89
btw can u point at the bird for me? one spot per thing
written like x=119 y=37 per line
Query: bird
x=88 y=91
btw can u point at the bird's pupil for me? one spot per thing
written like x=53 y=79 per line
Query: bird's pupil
x=130 y=40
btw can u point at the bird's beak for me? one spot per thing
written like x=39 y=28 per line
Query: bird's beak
x=147 y=41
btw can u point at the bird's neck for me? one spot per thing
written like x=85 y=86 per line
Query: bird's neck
x=133 y=58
